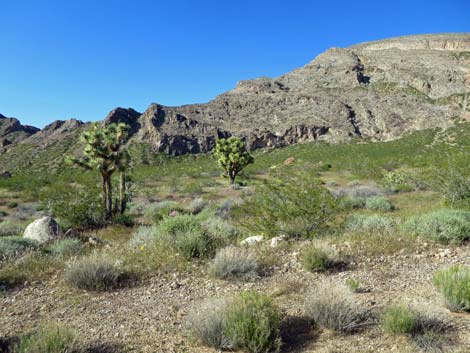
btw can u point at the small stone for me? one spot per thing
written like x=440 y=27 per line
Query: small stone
x=252 y=240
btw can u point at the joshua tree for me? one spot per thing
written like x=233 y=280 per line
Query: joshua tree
x=232 y=156
x=104 y=151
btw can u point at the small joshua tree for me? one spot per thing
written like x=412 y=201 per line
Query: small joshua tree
x=232 y=156
x=104 y=151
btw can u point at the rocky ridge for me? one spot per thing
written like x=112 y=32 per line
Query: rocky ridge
x=377 y=90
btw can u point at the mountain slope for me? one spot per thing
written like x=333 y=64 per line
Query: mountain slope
x=377 y=90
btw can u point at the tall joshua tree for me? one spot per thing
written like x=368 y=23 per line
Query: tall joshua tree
x=232 y=156
x=104 y=151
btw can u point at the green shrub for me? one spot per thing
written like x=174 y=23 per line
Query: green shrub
x=354 y=285
x=207 y=322
x=239 y=263
x=253 y=323
x=454 y=185
x=11 y=247
x=370 y=224
x=74 y=206
x=454 y=284
x=299 y=207
x=197 y=205
x=3 y=213
x=333 y=307
x=352 y=202
x=447 y=226
x=49 y=339
x=401 y=319
x=123 y=219
x=95 y=273
x=399 y=181
x=12 y=204
x=65 y=248
x=317 y=258
x=157 y=211
x=379 y=203
x=8 y=228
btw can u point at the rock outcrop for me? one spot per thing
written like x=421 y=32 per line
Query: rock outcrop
x=43 y=230
x=378 y=91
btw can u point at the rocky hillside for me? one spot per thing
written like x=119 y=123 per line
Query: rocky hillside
x=376 y=90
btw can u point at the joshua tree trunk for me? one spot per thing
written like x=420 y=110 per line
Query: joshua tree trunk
x=107 y=196
x=122 y=192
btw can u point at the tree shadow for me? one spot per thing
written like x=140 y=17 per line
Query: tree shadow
x=296 y=333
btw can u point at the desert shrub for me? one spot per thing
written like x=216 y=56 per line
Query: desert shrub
x=123 y=219
x=252 y=323
x=333 y=307
x=239 y=263
x=358 y=191
x=379 y=203
x=12 y=204
x=49 y=339
x=317 y=258
x=225 y=208
x=399 y=181
x=9 y=228
x=351 y=202
x=447 y=226
x=354 y=285
x=3 y=213
x=65 y=248
x=157 y=211
x=454 y=284
x=402 y=319
x=197 y=205
x=196 y=244
x=206 y=323
x=222 y=229
x=454 y=185
x=300 y=207
x=370 y=224
x=143 y=236
x=11 y=247
x=74 y=206
x=95 y=272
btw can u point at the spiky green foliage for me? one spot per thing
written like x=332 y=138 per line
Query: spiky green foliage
x=232 y=156
x=105 y=152
x=454 y=284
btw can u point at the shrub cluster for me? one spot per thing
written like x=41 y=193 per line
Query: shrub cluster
x=51 y=338
x=299 y=207
x=318 y=258
x=454 y=284
x=11 y=247
x=370 y=224
x=333 y=307
x=96 y=273
x=379 y=203
x=447 y=226
x=235 y=263
x=249 y=322
x=65 y=248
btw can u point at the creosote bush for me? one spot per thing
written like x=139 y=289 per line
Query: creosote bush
x=235 y=263
x=379 y=203
x=50 y=338
x=333 y=307
x=454 y=284
x=95 y=273
x=299 y=207
x=447 y=226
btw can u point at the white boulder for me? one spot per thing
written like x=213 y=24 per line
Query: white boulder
x=252 y=240
x=43 y=230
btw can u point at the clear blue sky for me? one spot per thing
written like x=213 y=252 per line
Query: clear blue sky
x=81 y=58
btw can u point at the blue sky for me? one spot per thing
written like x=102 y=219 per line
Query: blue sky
x=69 y=58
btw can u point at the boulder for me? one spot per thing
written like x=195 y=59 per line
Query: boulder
x=43 y=230
x=276 y=241
x=252 y=240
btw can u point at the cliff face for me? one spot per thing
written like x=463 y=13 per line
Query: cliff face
x=376 y=90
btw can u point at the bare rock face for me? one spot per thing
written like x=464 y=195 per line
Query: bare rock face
x=12 y=131
x=43 y=230
x=377 y=90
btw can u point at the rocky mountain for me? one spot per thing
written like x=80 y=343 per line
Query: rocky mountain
x=376 y=91
x=12 y=131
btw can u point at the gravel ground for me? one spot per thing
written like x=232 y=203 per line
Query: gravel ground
x=150 y=317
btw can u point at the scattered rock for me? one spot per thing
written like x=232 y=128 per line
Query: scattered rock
x=43 y=230
x=289 y=161
x=276 y=241
x=252 y=240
